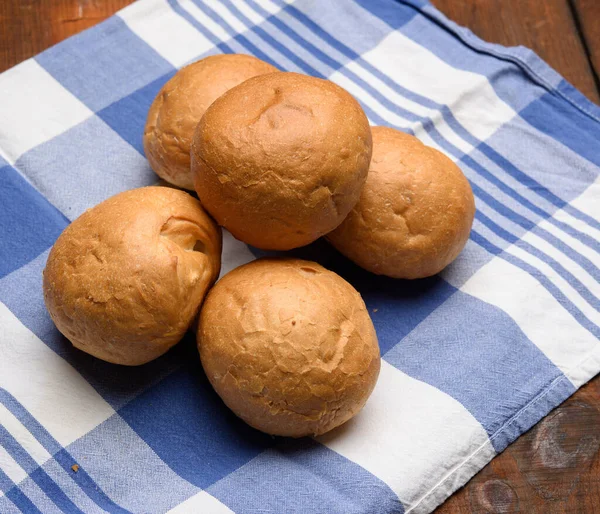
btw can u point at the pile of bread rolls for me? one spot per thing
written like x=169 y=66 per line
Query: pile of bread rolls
x=279 y=160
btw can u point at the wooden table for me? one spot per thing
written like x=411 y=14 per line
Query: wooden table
x=555 y=467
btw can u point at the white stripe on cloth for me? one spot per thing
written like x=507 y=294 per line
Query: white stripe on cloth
x=572 y=297
x=201 y=502
x=204 y=20
x=9 y=466
x=417 y=69
x=456 y=82
x=46 y=385
x=38 y=108
x=588 y=203
x=409 y=434
x=564 y=341
x=541 y=244
x=26 y=439
x=169 y=34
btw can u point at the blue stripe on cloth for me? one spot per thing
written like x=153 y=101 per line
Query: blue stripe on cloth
x=302 y=65
x=257 y=51
x=548 y=161
x=222 y=46
x=501 y=208
x=530 y=184
x=111 y=62
x=39 y=498
x=481 y=170
x=561 y=270
x=505 y=211
x=541 y=191
x=29 y=224
x=396 y=13
x=147 y=484
x=351 y=25
x=300 y=476
x=448 y=41
x=540 y=406
x=115 y=385
x=541 y=278
x=108 y=164
x=396 y=306
x=325 y=63
x=37 y=474
x=492 y=154
x=247 y=46
x=576 y=131
x=61 y=456
x=316 y=30
x=511 y=81
x=216 y=441
x=14 y=494
x=493 y=373
x=127 y=116
x=573 y=95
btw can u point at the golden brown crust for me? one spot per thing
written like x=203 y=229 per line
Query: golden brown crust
x=289 y=346
x=124 y=281
x=280 y=159
x=415 y=212
x=180 y=104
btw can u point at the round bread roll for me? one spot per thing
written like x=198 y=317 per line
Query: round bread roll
x=289 y=346
x=124 y=281
x=415 y=211
x=180 y=104
x=280 y=159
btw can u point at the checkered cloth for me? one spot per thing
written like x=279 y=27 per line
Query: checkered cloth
x=471 y=358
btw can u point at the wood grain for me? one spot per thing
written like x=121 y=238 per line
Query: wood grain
x=545 y=26
x=587 y=13
x=554 y=468
x=29 y=26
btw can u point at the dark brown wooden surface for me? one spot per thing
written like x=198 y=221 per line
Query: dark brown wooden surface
x=587 y=14
x=554 y=468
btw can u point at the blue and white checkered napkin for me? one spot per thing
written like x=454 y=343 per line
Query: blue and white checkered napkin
x=471 y=359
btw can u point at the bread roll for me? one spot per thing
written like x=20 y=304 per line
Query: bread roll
x=415 y=211
x=180 y=104
x=289 y=346
x=124 y=281
x=280 y=159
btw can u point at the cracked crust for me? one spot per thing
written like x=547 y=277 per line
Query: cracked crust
x=180 y=104
x=280 y=159
x=415 y=212
x=124 y=281
x=289 y=346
